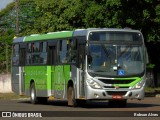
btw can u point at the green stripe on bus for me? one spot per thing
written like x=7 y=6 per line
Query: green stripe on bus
x=135 y=81
x=51 y=36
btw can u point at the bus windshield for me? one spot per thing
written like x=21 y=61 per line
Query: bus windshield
x=116 y=60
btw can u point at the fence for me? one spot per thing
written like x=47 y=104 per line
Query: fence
x=5 y=83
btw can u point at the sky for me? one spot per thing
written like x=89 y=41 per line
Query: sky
x=3 y=3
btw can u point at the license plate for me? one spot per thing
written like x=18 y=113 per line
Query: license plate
x=116 y=96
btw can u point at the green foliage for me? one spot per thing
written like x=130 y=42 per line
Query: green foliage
x=95 y=15
x=150 y=66
x=42 y=16
x=5 y=48
x=59 y=15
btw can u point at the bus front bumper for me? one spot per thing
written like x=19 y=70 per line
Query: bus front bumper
x=108 y=94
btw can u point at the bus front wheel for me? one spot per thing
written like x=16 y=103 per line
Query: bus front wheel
x=71 y=97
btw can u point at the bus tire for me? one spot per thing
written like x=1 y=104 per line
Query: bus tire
x=71 y=97
x=33 y=97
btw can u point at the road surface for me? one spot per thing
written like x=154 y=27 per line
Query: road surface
x=92 y=111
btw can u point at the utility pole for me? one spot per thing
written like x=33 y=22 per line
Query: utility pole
x=17 y=16
x=7 y=58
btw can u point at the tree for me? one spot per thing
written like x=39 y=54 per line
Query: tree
x=7 y=31
x=39 y=16
x=5 y=48
x=59 y=15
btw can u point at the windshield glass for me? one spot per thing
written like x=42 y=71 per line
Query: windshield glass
x=115 y=60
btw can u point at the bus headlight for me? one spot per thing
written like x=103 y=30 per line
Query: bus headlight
x=93 y=84
x=139 y=85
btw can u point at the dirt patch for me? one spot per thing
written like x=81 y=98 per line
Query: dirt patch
x=9 y=96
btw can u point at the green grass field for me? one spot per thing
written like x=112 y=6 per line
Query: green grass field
x=151 y=89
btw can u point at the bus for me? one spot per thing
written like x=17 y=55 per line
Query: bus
x=91 y=64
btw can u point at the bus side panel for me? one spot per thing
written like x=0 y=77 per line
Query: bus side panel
x=75 y=78
x=38 y=74
x=60 y=76
x=50 y=70
x=58 y=82
x=15 y=80
x=67 y=77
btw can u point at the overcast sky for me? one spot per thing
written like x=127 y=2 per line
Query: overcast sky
x=3 y=3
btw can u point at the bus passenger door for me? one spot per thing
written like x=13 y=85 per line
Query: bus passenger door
x=21 y=70
x=81 y=61
x=52 y=46
x=59 y=74
x=62 y=71
x=59 y=81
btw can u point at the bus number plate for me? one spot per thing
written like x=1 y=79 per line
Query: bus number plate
x=116 y=96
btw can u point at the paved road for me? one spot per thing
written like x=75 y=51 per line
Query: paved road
x=92 y=109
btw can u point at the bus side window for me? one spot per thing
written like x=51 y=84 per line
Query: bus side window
x=72 y=51
x=36 y=57
x=32 y=47
x=52 y=52
x=29 y=48
x=43 y=53
x=43 y=47
x=28 y=58
x=63 y=51
x=81 y=55
x=36 y=47
x=15 y=58
x=29 y=53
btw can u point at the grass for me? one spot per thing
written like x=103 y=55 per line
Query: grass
x=152 y=89
x=9 y=96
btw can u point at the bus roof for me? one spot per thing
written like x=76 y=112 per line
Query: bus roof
x=67 y=34
x=84 y=32
x=49 y=36
x=113 y=29
x=19 y=39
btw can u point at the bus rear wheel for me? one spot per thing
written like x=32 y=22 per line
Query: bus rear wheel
x=33 y=96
